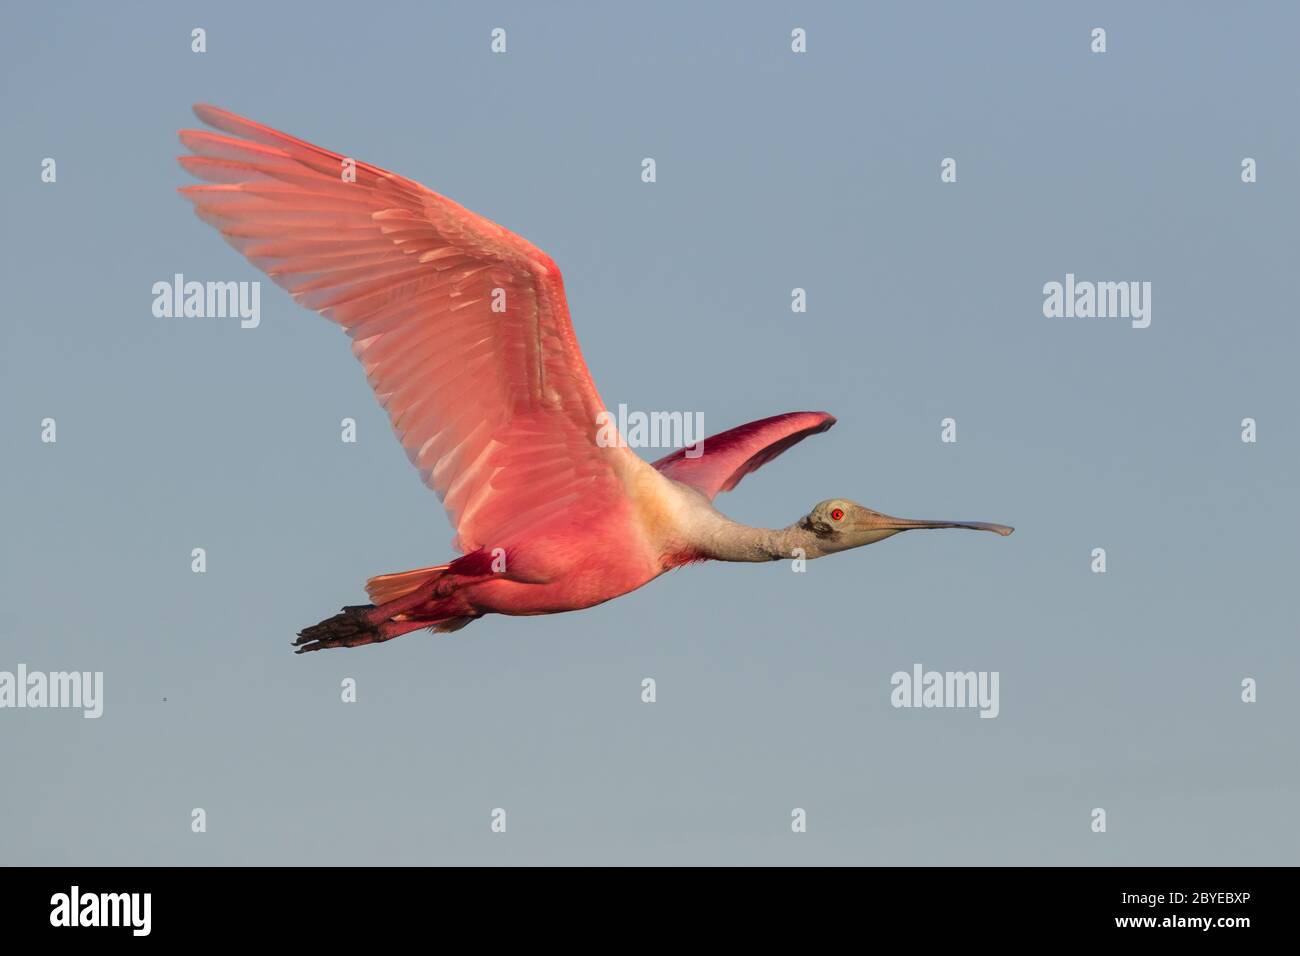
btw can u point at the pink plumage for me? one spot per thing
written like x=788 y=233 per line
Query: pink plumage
x=726 y=458
x=463 y=330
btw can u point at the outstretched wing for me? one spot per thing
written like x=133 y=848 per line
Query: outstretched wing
x=731 y=455
x=461 y=325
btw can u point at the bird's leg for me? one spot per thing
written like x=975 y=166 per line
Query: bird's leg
x=377 y=614
x=361 y=624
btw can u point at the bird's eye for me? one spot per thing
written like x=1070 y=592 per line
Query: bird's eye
x=837 y=514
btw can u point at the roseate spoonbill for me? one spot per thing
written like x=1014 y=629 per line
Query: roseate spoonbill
x=464 y=333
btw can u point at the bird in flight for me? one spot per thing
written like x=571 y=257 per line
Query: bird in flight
x=464 y=333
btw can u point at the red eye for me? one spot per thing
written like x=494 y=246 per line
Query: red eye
x=837 y=514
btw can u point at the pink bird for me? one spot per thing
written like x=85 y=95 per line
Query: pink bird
x=464 y=333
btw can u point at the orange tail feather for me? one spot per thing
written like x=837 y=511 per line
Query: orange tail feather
x=389 y=587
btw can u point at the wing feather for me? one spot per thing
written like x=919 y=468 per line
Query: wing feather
x=495 y=408
x=731 y=455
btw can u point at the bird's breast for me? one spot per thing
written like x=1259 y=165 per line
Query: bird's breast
x=667 y=514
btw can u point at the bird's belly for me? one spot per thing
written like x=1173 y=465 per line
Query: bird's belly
x=594 y=579
x=516 y=597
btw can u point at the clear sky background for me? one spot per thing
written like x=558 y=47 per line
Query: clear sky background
x=775 y=170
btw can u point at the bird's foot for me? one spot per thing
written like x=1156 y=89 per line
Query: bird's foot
x=351 y=627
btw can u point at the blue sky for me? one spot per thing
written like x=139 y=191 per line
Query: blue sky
x=775 y=171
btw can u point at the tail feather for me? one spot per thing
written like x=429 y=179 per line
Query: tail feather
x=389 y=615
x=389 y=587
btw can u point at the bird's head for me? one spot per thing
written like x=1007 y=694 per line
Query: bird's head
x=841 y=524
